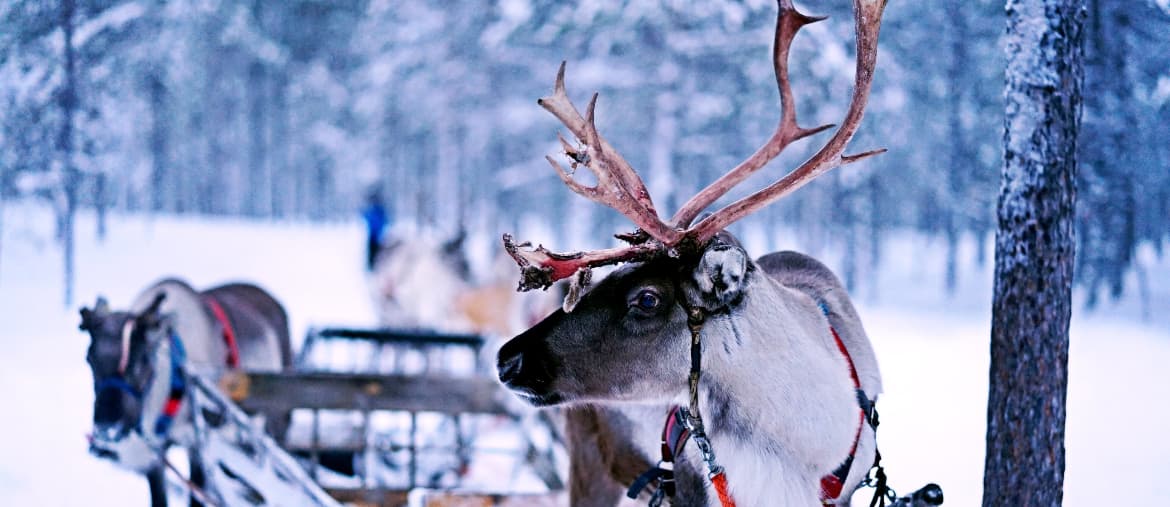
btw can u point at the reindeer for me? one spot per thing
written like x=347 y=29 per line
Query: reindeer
x=140 y=358
x=428 y=284
x=767 y=357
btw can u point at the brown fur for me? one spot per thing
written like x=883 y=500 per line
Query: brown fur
x=608 y=450
x=253 y=312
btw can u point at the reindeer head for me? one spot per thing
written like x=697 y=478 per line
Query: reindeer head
x=120 y=356
x=627 y=338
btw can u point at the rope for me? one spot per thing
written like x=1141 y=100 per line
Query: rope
x=720 y=482
x=203 y=497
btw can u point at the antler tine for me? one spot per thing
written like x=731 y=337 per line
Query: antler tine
x=788 y=22
x=620 y=188
x=618 y=185
x=868 y=15
x=539 y=267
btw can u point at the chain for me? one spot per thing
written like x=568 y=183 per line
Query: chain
x=695 y=319
x=656 y=498
x=691 y=415
x=876 y=479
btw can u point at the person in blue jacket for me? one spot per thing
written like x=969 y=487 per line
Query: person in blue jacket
x=377 y=220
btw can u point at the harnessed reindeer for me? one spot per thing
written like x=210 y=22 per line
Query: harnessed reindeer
x=140 y=360
x=767 y=358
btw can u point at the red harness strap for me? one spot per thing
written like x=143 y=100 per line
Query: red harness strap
x=675 y=436
x=719 y=480
x=229 y=334
x=832 y=484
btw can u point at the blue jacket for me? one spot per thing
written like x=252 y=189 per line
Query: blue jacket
x=377 y=220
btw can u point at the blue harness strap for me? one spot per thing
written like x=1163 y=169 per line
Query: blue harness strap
x=119 y=383
x=178 y=387
x=674 y=436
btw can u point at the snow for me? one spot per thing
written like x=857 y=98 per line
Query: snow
x=113 y=19
x=933 y=351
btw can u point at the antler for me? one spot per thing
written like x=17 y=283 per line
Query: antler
x=539 y=267
x=620 y=188
x=868 y=16
x=788 y=22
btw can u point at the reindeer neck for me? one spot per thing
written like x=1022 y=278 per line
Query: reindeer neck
x=776 y=397
x=158 y=395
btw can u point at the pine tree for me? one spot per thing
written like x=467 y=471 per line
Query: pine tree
x=1034 y=255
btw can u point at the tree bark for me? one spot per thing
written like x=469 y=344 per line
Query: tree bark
x=161 y=187
x=959 y=163
x=1034 y=255
x=258 y=203
x=100 y=203
x=65 y=145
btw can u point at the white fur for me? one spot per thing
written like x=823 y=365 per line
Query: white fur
x=186 y=309
x=417 y=289
x=791 y=385
x=414 y=287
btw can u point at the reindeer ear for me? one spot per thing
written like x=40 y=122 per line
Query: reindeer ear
x=151 y=316
x=86 y=316
x=155 y=303
x=101 y=307
x=721 y=277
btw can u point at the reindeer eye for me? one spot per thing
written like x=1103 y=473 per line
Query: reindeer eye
x=647 y=300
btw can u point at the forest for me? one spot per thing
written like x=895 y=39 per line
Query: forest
x=295 y=110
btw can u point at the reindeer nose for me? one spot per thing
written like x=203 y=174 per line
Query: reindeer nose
x=107 y=431
x=509 y=368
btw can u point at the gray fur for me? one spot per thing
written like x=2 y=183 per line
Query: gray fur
x=259 y=321
x=261 y=330
x=808 y=275
x=775 y=390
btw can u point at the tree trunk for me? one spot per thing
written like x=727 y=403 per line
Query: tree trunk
x=282 y=182
x=1034 y=255
x=1106 y=226
x=959 y=163
x=100 y=203
x=160 y=189
x=3 y=186
x=258 y=203
x=65 y=144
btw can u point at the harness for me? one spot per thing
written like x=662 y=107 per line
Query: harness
x=674 y=436
x=177 y=387
x=683 y=424
x=229 y=333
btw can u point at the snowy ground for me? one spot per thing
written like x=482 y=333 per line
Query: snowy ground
x=933 y=351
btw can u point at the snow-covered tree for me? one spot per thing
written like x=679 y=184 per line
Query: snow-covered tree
x=1034 y=250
